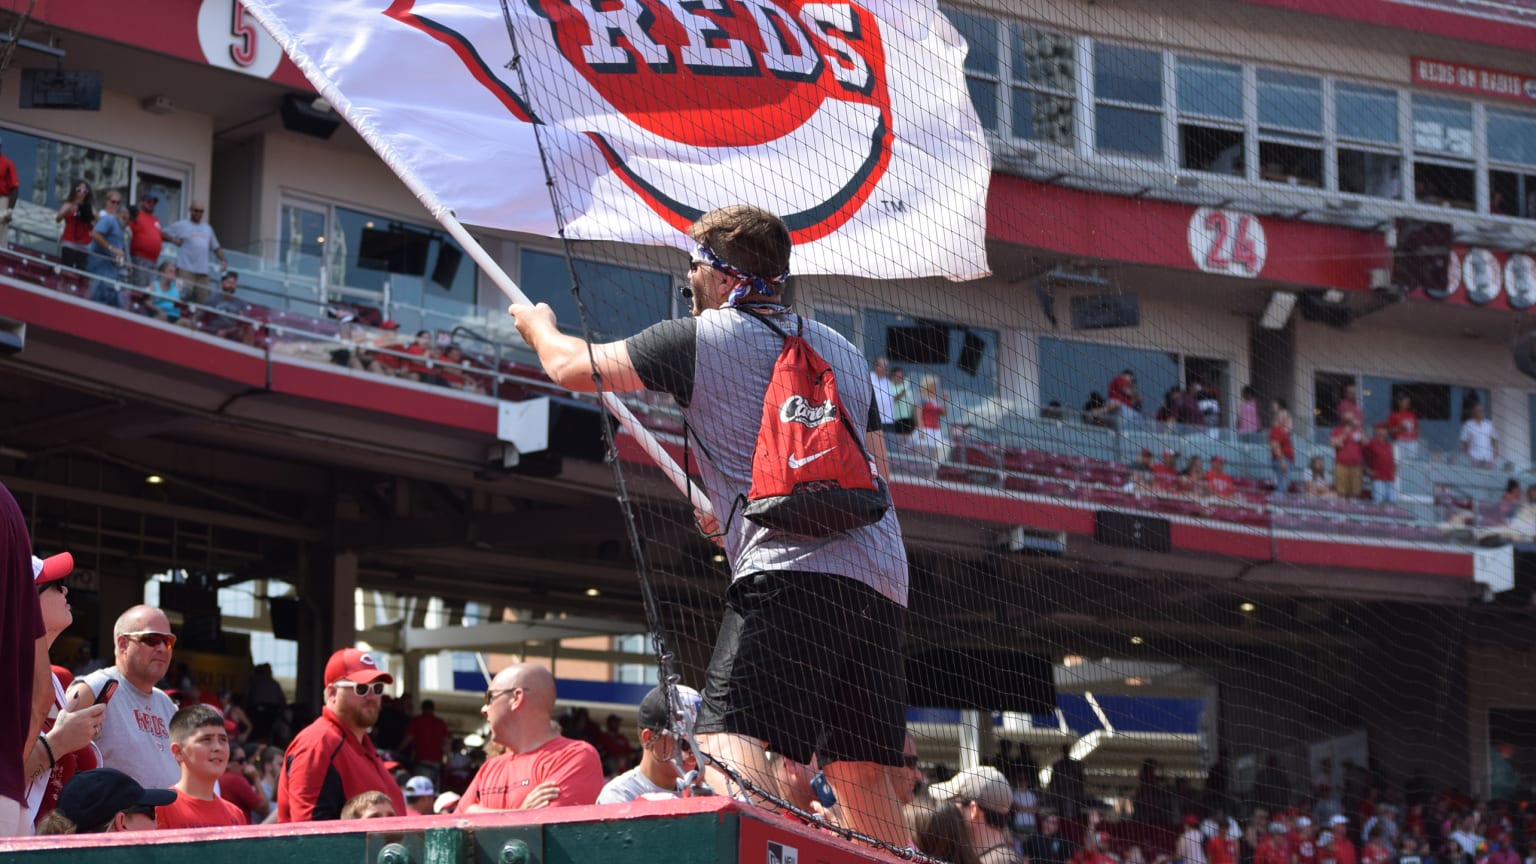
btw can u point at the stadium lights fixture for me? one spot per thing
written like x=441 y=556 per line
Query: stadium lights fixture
x=1278 y=312
x=154 y=479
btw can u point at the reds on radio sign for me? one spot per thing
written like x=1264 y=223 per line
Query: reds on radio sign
x=1227 y=242
x=661 y=85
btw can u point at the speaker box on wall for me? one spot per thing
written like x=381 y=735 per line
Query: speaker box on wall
x=299 y=115
x=1422 y=256
x=1103 y=311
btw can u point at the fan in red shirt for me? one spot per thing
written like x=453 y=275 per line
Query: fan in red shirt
x=1380 y=461
x=1092 y=850
x=200 y=743
x=1165 y=475
x=1404 y=426
x=1273 y=849
x=1376 y=851
x=1220 y=847
x=1342 y=848
x=1217 y=481
x=541 y=768
x=425 y=736
x=1304 y=844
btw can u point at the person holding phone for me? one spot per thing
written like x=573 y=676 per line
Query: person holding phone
x=65 y=747
x=136 y=730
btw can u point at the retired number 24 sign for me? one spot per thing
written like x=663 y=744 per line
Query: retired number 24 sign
x=1227 y=242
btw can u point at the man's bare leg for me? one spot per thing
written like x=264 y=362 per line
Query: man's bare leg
x=748 y=757
x=866 y=802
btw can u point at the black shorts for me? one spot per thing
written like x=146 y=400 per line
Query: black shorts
x=812 y=664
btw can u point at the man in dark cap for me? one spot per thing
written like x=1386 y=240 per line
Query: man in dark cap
x=104 y=800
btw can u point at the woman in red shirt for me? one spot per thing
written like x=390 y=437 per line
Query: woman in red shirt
x=78 y=215
x=930 y=418
x=1282 y=450
x=1404 y=426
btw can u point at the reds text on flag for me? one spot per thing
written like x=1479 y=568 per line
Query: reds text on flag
x=851 y=120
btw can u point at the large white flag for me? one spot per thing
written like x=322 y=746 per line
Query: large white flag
x=849 y=119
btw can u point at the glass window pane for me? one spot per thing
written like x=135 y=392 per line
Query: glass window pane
x=980 y=35
x=1128 y=74
x=1444 y=185
x=1128 y=131
x=1203 y=148
x=620 y=301
x=1512 y=194
x=984 y=97
x=1442 y=125
x=964 y=358
x=1044 y=59
x=1042 y=117
x=1366 y=173
x=1512 y=136
x=1290 y=101
x=1299 y=164
x=1071 y=372
x=1212 y=89
x=426 y=269
x=45 y=170
x=1366 y=113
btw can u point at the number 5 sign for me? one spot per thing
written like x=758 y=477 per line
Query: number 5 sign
x=233 y=40
x=1227 y=242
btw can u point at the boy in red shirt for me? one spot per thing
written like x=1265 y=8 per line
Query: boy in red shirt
x=1382 y=464
x=200 y=744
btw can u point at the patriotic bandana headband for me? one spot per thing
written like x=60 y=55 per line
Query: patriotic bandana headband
x=744 y=284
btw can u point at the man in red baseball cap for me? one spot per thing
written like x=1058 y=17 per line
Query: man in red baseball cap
x=332 y=760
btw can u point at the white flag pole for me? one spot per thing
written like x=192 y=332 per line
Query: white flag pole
x=456 y=230
x=620 y=411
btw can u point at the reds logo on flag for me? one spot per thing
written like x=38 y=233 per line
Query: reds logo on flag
x=850 y=120
x=751 y=80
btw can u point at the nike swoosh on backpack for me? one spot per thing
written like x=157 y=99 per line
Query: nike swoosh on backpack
x=795 y=463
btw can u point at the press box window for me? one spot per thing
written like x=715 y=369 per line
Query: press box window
x=1369 y=151
x=1290 y=128
x=1210 y=97
x=1443 y=152
x=1128 y=111
x=1512 y=154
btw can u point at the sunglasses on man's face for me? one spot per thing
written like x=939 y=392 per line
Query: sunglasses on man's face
x=374 y=689
x=152 y=639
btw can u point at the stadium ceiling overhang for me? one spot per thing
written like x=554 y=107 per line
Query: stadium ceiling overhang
x=1272 y=246
x=1504 y=23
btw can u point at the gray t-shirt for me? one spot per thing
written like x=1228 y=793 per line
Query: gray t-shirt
x=629 y=786
x=136 y=731
x=197 y=243
x=717 y=367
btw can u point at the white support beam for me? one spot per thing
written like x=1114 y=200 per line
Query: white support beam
x=500 y=636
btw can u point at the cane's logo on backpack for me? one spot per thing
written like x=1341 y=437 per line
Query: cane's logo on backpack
x=797 y=409
x=810 y=472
